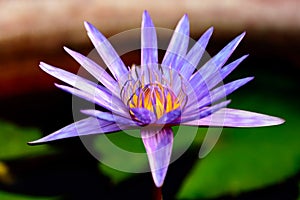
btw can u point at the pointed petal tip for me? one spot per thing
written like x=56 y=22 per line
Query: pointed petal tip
x=241 y=36
x=248 y=119
x=210 y=30
x=87 y=25
x=62 y=87
x=146 y=13
x=42 y=64
x=242 y=82
x=244 y=57
x=276 y=121
x=158 y=185
x=65 y=88
x=185 y=19
x=45 y=67
x=265 y=121
x=89 y=112
x=32 y=143
x=235 y=42
x=159 y=177
x=241 y=59
x=250 y=78
x=39 y=141
x=207 y=34
x=58 y=85
x=72 y=53
x=183 y=25
x=67 y=49
x=280 y=121
x=91 y=29
x=146 y=20
x=227 y=102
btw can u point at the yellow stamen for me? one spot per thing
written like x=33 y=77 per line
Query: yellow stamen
x=155 y=98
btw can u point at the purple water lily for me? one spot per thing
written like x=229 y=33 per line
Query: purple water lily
x=154 y=97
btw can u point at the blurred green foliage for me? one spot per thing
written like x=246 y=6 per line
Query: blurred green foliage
x=11 y=196
x=249 y=158
x=13 y=145
x=13 y=141
x=110 y=155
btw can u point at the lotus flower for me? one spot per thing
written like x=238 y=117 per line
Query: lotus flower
x=154 y=96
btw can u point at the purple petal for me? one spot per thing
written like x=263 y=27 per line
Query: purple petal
x=109 y=117
x=198 y=114
x=169 y=117
x=158 y=146
x=148 y=42
x=100 y=98
x=85 y=85
x=71 y=79
x=178 y=45
x=86 y=126
x=206 y=97
x=215 y=63
x=236 y=118
x=195 y=54
x=143 y=115
x=106 y=51
x=97 y=71
x=218 y=76
x=223 y=91
x=203 y=88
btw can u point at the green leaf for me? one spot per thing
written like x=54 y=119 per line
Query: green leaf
x=13 y=141
x=11 y=196
x=248 y=158
x=121 y=154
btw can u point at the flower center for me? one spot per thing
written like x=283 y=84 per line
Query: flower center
x=155 y=98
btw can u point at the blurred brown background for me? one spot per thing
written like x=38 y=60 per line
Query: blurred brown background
x=31 y=31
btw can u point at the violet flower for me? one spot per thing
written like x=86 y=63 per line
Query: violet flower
x=154 y=97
